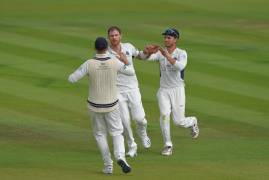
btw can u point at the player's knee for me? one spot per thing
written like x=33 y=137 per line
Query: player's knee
x=124 y=116
x=138 y=116
x=98 y=135
x=116 y=133
x=116 y=130
x=126 y=122
x=164 y=117
x=142 y=121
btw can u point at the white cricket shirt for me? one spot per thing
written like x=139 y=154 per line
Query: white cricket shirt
x=126 y=83
x=171 y=75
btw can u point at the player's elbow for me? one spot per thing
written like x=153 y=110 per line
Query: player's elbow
x=179 y=66
x=71 y=79
x=128 y=71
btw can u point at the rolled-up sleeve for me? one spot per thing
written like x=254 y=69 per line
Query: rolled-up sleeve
x=125 y=69
x=134 y=51
x=181 y=62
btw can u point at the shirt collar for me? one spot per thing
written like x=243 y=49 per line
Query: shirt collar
x=105 y=55
x=173 y=51
x=112 y=51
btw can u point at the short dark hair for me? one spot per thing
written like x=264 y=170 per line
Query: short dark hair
x=100 y=43
x=113 y=28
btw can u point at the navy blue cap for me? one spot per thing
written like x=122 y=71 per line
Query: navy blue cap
x=101 y=43
x=171 y=32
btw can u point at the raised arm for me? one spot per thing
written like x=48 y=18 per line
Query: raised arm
x=179 y=63
x=148 y=51
x=79 y=73
x=123 y=65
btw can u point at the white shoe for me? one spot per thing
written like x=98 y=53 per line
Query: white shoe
x=195 y=129
x=108 y=169
x=146 y=142
x=132 y=152
x=124 y=166
x=167 y=151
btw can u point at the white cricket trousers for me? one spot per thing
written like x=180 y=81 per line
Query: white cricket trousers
x=108 y=122
x=130 y=103
x=172 y=100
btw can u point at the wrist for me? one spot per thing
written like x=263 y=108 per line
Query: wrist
x=144 y=54
x=126 y=62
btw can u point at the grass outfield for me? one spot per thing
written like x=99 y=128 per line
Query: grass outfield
x=44 y=128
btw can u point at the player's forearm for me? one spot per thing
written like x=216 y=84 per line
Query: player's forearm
x=74 y=77
x=127 y=70
x=171 y=60
x=179 y=65
x=79 y=73
x=143 y=56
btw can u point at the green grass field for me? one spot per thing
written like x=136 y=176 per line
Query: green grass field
x=45 y=132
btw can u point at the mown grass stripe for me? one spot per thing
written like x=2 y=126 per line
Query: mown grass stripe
x=257 y=67
x=43 y=34
x=246 y=52
x=39 y=55
x=225 y=97
x=225 y=127
x=45 y=95
x=238 y=114
x=229 y=85
x=42 y=126
x=41 y=81
x=229 y=73
x=36 y=68
x=48 y=111
x=42 y=44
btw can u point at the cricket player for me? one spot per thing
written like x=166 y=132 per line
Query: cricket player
x=171 y=95
x=103 y=101
x=129 y=94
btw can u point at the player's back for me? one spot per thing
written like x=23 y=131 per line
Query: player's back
x=102 y=80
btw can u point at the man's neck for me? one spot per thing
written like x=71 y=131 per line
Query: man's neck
x=101 y=51
x=171 y=49
x=116 y=48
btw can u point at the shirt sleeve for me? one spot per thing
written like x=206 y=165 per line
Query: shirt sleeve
x=154 y=57
x=125 y=69
x=181 y=62
x=135 y=52
x=79 y=73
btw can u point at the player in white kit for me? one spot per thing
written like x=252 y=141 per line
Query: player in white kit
x=103 y=102
x=171 y=95
x=129 y=94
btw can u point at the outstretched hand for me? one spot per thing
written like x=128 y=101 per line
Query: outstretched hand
x=167 y=55
x=150 y=49
x=164 y=52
